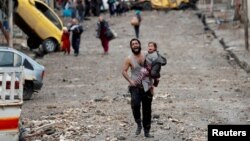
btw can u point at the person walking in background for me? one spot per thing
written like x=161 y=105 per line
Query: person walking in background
x=102 y=28
x=80 y=10
x=96 y=7
x=87 y=8
x=66 y=41
x=121 y=7
x=111 y=4
x=76 y=30
x=139 y=97
x=68 y=9
x=137 y=26
x=73 y=4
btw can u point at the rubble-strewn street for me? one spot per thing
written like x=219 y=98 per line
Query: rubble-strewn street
x=85 y=98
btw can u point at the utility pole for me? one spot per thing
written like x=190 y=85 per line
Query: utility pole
x=212 y=8
x=246 y=24
x=10 y=13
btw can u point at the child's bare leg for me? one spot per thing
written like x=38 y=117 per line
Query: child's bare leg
x=152 y=90
x=68 y=50
x=156 y=82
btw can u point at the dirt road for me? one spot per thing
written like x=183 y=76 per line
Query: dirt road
x=86 y=96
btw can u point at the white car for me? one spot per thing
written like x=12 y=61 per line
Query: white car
x=33 y=71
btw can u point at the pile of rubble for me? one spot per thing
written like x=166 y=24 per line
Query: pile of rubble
x=75 y=124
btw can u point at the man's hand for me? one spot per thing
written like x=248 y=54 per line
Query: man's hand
x=132 y=83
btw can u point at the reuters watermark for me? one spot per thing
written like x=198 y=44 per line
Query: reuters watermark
x=235 y=132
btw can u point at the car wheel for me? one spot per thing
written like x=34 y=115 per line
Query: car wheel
x=32 y=43
x=49 y=45
x=27 y=91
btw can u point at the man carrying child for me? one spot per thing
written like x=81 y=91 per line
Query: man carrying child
x=140 y=92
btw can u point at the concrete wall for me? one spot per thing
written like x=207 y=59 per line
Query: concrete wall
x=248 y=7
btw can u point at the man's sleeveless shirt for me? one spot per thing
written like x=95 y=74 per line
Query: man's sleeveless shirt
x=135 y=72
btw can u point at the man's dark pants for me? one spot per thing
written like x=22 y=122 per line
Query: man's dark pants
x=76 y=45
x=137 y=28
x=138 y=98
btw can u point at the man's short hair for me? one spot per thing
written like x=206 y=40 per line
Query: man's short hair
x=134 y=39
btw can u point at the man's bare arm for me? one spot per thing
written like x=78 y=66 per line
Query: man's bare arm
x=125 y=68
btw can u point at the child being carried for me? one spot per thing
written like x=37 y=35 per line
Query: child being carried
x=152 y=67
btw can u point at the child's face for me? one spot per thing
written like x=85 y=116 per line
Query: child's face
x=65 y=31
x=151 y=48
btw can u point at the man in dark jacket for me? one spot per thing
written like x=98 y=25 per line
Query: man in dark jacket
x=76 y=30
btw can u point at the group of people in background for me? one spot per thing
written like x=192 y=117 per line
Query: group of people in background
x=76 y=29
x=103 y=32
x=117 y=7
x=81 y=9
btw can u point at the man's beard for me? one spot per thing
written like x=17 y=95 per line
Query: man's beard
x=136 y=51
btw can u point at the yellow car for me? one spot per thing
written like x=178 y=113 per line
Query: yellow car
x=40 y=23
x=161 y=4
x=173 y=4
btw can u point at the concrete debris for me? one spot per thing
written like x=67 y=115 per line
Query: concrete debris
x=174 y=120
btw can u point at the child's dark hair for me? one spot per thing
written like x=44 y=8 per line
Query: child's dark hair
x=154 y=43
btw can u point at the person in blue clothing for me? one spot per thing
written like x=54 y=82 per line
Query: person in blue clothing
x=137 y=27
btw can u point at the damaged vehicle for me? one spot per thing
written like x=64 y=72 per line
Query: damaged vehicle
x=40 y=23
x=33 y=71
